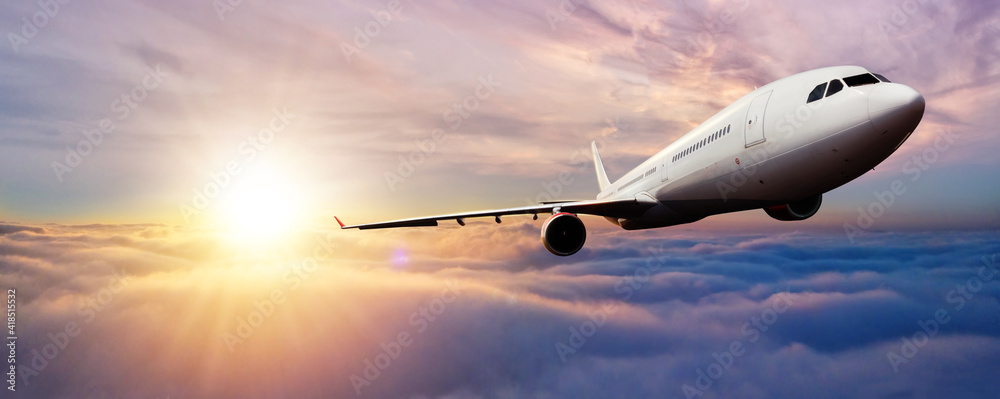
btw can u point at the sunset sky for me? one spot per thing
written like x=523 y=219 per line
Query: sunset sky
x=169 y=166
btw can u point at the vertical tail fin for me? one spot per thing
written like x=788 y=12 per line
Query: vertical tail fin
x=602 y=176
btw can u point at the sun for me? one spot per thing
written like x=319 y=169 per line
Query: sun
x=260 y=206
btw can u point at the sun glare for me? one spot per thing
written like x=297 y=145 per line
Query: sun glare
x=261 y=206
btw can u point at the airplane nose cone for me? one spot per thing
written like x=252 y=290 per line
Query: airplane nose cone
x=895 y=108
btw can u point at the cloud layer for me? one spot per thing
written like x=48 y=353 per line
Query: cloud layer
x=162 y=311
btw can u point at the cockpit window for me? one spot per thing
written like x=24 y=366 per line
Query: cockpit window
x=860 y=80
x=882 y=78
x=817 y=93
x=835 y=86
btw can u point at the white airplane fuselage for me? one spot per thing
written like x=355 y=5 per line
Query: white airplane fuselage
x=779 y=148
x=771 y=148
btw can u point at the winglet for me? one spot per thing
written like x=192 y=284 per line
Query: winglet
x=602 y=176
x=338 y=221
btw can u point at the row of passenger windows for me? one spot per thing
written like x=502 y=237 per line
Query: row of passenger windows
x=637 y=178
x=703 y=142
x=834 y=86
x=631 y=182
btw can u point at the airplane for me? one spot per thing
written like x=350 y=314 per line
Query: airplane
x=778 y=148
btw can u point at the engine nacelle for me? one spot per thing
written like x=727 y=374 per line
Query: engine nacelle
x=798 y=210
x=564 y=234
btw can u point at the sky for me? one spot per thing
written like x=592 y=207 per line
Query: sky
x=173 y=170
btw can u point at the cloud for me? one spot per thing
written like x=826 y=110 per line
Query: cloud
x=12 y=228
x=166 y=297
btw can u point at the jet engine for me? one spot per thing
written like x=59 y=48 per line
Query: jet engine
x=798 y=210
x=563 y=234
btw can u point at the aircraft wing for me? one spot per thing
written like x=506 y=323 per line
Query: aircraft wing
x=617 y=208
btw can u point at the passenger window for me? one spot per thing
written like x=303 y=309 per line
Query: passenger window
x=835 y=86
x=817 y=93
x=860 y=80
x=882 y=78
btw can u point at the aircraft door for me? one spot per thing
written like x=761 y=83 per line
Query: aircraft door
x=754 y=125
